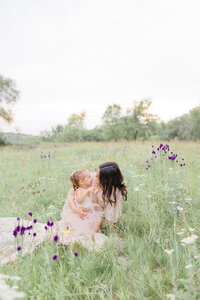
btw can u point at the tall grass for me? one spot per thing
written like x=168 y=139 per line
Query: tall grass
x=149 y=223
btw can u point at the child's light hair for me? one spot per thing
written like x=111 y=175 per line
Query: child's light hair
x=76 y=176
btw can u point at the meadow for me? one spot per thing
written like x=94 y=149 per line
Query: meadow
x=160 y=222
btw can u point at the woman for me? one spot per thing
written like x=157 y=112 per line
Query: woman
x=110 y=190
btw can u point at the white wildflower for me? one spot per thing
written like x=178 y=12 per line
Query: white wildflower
x=137 y=189
x=190 y=239
x=171 y=296
x=188 y=266
x=169 y=252
x=180 y=233
x=172 y=202
x=179 y=208
x=188 y=199
x=141 y=184
x=149 y=196
x=197 y=256
x=191 y=229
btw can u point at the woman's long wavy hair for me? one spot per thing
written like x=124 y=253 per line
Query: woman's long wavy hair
x=110 y=178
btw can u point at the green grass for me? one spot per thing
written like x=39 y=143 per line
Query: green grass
x=149 y=223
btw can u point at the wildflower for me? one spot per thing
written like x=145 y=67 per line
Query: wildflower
x=180 y=233
x=50 y=224
x=49 y=155
x=153 y=152
x=189 y=240
x=179 y=208
x=188 y=266
x=45 y=227
x=137 y=189
x=56 y=238
x=18 y=219
x=34 y=234
x=76 y=254
x=55 y=257
x=44 y=156
x=171 y=296
x=30 y=214
x=29 y=227
x=197 y=256
x=23 y=229
x=17 y=228
x=169 y=252
x=19 y=248
x=35 y=221
x=172 y=202
x=148 y=166
x=188 y=199
x=191 y=229
x=15 y=233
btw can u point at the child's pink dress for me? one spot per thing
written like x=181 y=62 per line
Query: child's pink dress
x=81 y=227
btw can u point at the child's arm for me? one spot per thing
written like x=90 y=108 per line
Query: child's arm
x=81 y=211
x=81 y=195
x=95 y=199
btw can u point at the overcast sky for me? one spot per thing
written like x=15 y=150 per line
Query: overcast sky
x=69 y=56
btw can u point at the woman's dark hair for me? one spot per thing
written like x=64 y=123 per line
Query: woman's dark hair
x=110 y=178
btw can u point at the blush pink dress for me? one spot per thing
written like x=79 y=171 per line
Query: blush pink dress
x=76 y=225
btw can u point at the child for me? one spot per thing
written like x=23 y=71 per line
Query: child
x=84 y=197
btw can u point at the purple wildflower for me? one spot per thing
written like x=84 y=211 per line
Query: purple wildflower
x=44 y=156
x=152 y=146
x=49 y=155
x=75 y=254
x=181 y=165
x=35 y=221
x=15 y=233
x=45 y=227
x=153 y=152
x=29 y=227
x=148 y=166
x=23 y=229
x=30 y=214
x=56 y=238
x=55 y=257
x=19 y=248
x=17 y=228
x=34 y=234
x=18 y=219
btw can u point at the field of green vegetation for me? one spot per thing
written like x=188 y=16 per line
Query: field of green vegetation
x=160 y=222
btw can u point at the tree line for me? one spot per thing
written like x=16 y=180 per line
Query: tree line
x=137 y=124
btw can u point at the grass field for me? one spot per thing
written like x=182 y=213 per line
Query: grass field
x=162 y=210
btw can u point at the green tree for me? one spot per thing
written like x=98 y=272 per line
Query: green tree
x=111 y=122
x=74 y=129
x=195 y=123
x=8 y=94
x=139 y=123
